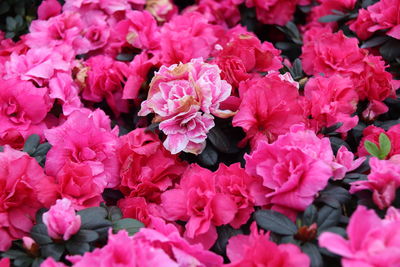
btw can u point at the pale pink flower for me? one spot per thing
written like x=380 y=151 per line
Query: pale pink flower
x=371 y=241
x=61 y=220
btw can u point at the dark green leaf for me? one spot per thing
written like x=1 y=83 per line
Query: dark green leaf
x=125 y=57
x=310 y=215
x=31 y=144
x=225 y=232
x=339 y=193
x=24 y=261
x=85 y=236
x=285 y=45
x=336 y=143
x=13 y=254
x=372 y=148
x=4 y=7
x=209 y=157
x=93 y=218
x=331 y=129
x=219 y=140
x=11 y=24
x=77 y=248
x=52 y=250
x=40 y=235
x=114 y=213
x=312 y=251
x=328 y=217
x=130 y=225
x=42 y=149
x=335 y=229
x=297 y=69
x=37 y=262
x=384 y=145
x=390 y=50
x=331 y=18
x=375 y=41
x=39 y=216
x=274 y=221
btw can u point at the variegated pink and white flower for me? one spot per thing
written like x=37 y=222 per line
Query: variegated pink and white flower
x=184 y=97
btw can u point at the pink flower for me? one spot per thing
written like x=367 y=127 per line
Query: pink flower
x=23 y=109
x=325 y=8
x=334 y=53
x=135 y=208
x=64 y=89
x=102 y=78
x=198 y=202
x=159 y=247
x=331 y=53
x=244 y=55
x=139 y=30
x=383 y=181
x=147 y=168
x=361 y=25
x=48 y=9
x=277 y=12
x=50 y=262
x=183 y=97
x=385 y=15
x=76 y=183
x=85 y=137
x=371 y=241
x=270 y=106
x=24 y=189
x=5 y=262
x=371 y=133
x=187 y=131
x=344 y=162
x=162 y=10
x=219 y=12
x=61 y=220
x=242 y=188
x=331 y=100
x=187 y=36
x=177 y=88
x=64 y=30
x=293 y=169
x=257 y=250
x=38 y=65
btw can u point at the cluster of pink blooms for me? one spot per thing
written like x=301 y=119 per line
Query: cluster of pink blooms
x=204 y=68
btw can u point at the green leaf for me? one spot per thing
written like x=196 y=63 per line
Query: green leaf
x=127 y=57
x=114 y=213
x=331 y=18
x=52 y=250
x=328 y=217
x=42 y=149
x=312 y=251
x=209 y=157
x=31 y=144
x=375 y=41
x=77 y=248
x=40 y=235
x=219 y=140
x=372 y=148
x=384 y=145
x=130 y=225
x=93 y=218
x=310 y=215
x=85 y=236
x=11 y=24
x=390 y=50
x=13 y=254
x=274 y=221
